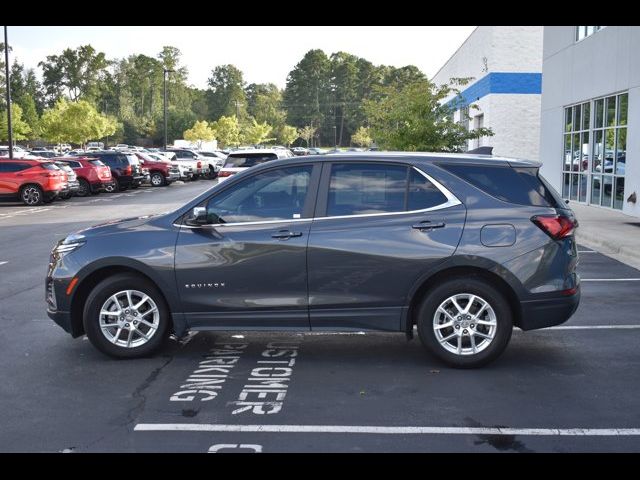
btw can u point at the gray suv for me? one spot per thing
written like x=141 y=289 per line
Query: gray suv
x=462 y=247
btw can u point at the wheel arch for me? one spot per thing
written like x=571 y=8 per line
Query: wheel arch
x=487 y=270
x=92 y=278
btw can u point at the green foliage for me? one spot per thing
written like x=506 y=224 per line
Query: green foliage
x=201 y=131
x=414 y=117
x=254 y=133
x=361 y=137
x=286 y=134
x=307 y=133
x=227 y=131
x=226 y=92
x=20 y=128
x=75 y=122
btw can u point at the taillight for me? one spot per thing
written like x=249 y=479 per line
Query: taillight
x=199 y=164
x=225 y=174
x=556 y=226
x=128 y=170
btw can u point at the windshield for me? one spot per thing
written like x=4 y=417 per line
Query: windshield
x=237 y=160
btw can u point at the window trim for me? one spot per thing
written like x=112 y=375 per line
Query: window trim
x=323 y=194
x=316 y=184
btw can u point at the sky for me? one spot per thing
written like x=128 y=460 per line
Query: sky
x=264 y=54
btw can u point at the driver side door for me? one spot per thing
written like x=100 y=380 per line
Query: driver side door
x=247 y=267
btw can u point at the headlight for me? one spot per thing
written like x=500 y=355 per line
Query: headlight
x=69 y=244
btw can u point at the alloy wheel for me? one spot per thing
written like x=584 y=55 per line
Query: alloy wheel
x=465 y=324
x=129 y=318
x=31 y=196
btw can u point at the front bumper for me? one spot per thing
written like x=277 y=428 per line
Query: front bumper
x=549 y=311
x=173 y=176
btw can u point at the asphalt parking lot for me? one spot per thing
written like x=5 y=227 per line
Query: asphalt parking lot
x=572 y=388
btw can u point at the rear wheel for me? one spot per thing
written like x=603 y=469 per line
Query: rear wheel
x=113 y=187
x=31 y=195
x=85 y=188
x=157 y=180
x=466 y=322
x=125 y=316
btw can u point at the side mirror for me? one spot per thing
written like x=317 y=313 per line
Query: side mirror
x=198 y=217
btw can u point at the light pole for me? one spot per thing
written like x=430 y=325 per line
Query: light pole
x=6 y=66
x=164 y=78
x=335 y=138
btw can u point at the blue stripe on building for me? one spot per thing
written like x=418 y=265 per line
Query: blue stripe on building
x=499 y=82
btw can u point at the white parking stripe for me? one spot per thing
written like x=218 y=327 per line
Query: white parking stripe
x=2 y=263
x=594 y=327
x=610 y=279
x=212 y=427
x=587 y=251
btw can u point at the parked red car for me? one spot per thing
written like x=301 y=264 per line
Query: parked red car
x=160 y=173
x=32 y=181
x=93 y=175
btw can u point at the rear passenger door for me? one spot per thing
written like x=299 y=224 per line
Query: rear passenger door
x=378 y=228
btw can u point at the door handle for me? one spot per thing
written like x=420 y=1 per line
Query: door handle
x=285 y=234
x=427 y=225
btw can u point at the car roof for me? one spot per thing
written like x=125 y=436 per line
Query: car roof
x=428 y=157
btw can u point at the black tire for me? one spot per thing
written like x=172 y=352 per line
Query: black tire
x=31 y=195
x=114 y=187
x=157 y=180
x=479 y=287
x=85 y=188
x=100 y=294
x=134 y=186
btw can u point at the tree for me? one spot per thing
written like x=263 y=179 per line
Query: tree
x=307 y=133
x=255 y=133
x=75 y=122
x=227 y=131
x=415 y=117
x=74 y=73
x=286 y=134
x=20 y=128
x=178 y=120
x=201 y=131
x=226 y=92
x=264 y=103
x=361 y=137
x=307 y=96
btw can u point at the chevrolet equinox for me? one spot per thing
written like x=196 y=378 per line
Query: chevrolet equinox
x=463 y=247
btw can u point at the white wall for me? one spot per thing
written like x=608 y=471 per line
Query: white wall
x=604 y=63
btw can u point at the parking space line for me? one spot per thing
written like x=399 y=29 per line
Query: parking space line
x=2 y=263
x=610 y=279
x=370 y=429
x=594 y=327
x=587 y=251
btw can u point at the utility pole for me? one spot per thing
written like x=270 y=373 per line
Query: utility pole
x=164 y=77
x=6 y=66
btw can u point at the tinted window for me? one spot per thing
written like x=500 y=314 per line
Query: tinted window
x=236 y=160
x=366 y=188
x=273 y=195
x=8 y=167
x=422 y=193
x=522 y=186
x=49 y=166
x=97 y=163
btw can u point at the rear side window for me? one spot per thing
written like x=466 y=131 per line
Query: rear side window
x=49 y=166
x=522 y=186
x=357 y=189
x=422 y=193
x=96 y=163
x=248 y=159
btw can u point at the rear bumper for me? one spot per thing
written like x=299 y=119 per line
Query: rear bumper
x=101 y=186
x=549 y=311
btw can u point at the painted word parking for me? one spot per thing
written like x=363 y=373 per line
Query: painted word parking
x=207 y=380
x=267 y=385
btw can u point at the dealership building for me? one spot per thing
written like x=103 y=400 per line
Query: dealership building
x=590 y=117
x=505 y=67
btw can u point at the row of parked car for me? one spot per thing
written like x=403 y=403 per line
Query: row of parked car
x=36 y=177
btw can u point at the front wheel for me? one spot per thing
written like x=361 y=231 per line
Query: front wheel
x=125 y=316
x=157 y=180
x=466 y=322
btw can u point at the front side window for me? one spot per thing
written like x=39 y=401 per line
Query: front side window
x=273 y=195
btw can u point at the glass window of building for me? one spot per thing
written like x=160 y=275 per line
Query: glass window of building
x=595 y=151
x=584 y=32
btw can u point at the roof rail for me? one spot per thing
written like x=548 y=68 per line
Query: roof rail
x=481 y=151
